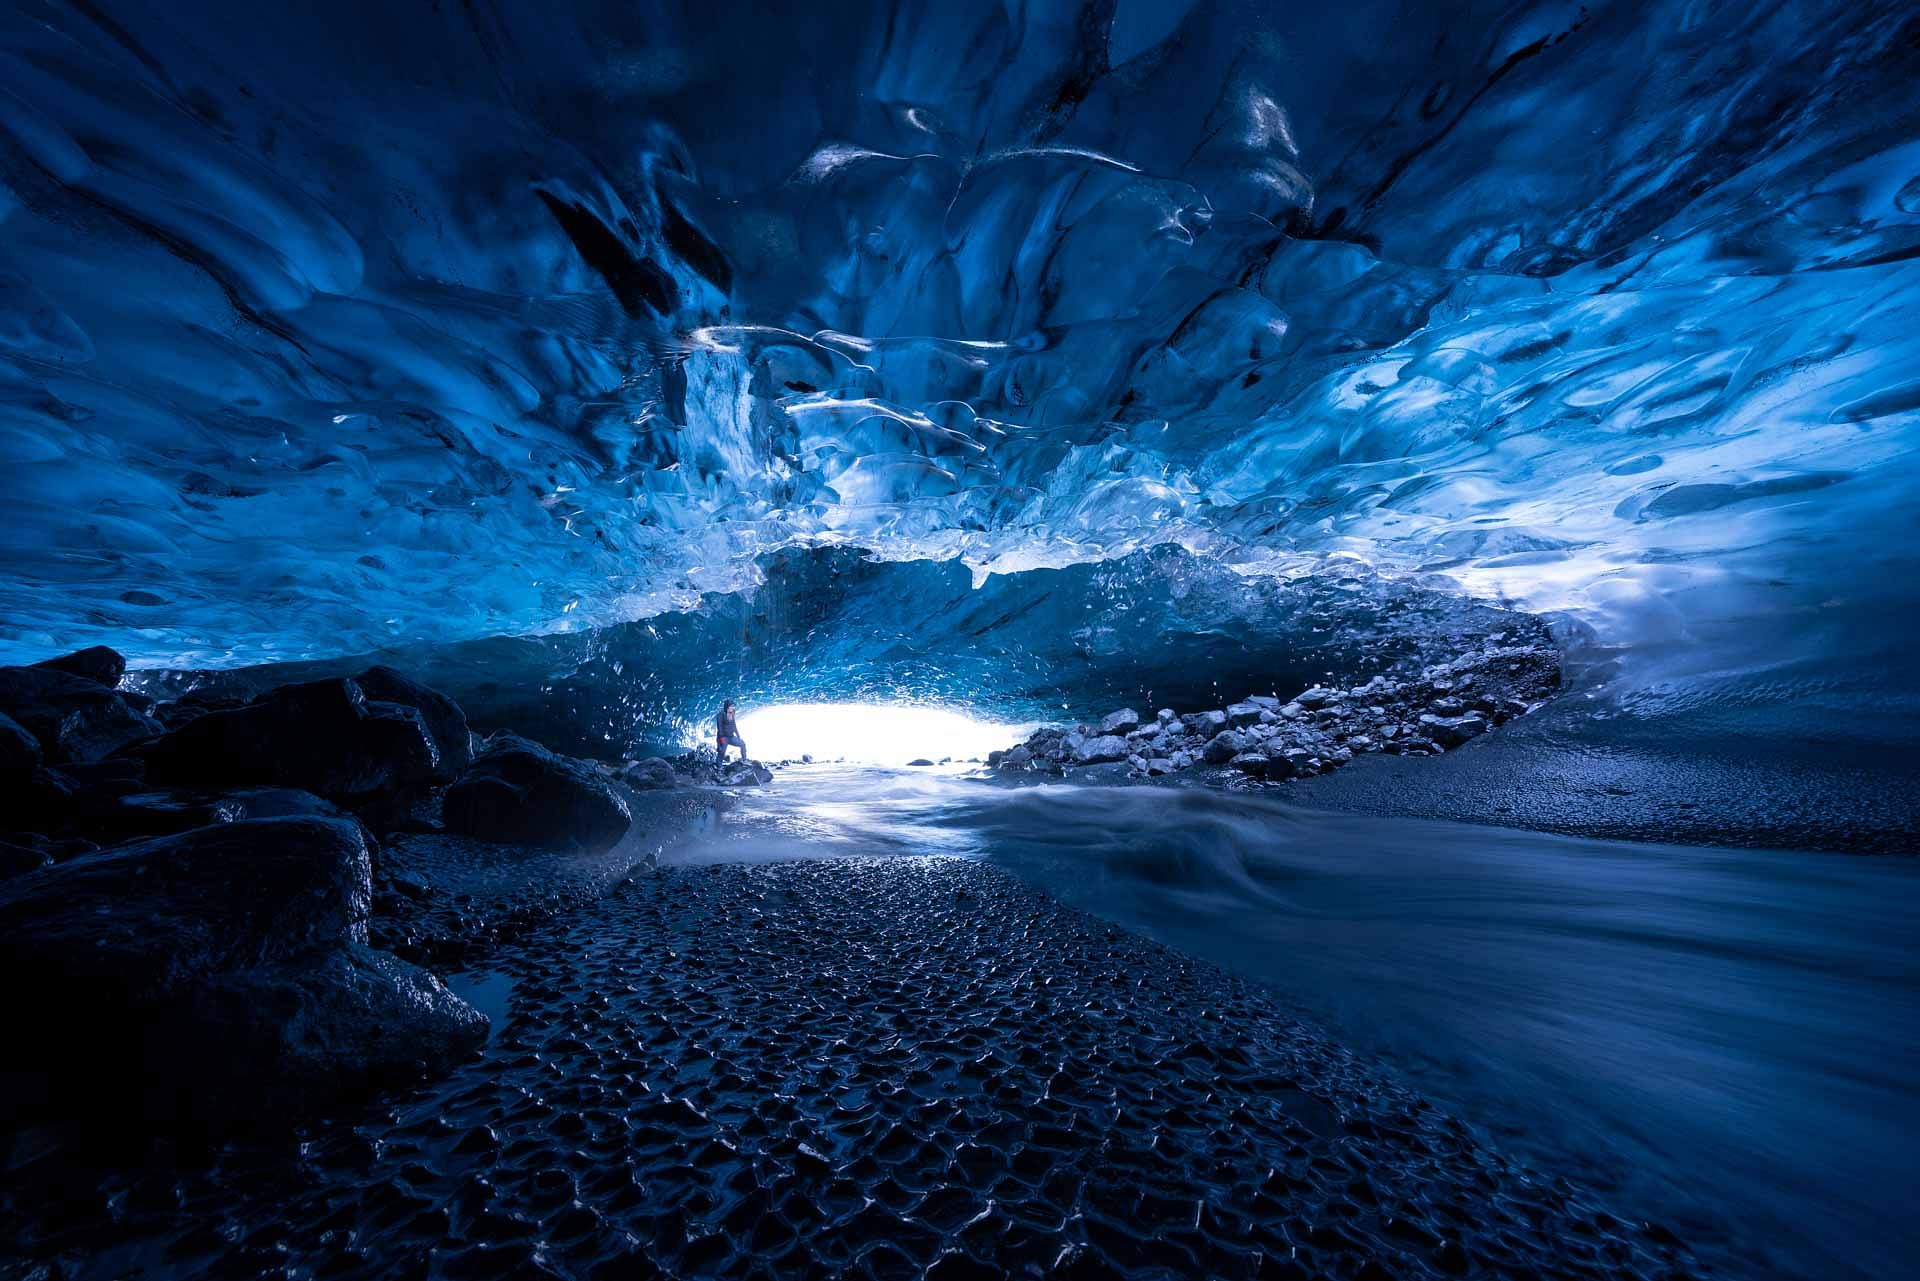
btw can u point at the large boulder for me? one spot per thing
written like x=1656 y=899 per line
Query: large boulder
x=20 y=753
x=324 y=736
x=228 y=965
x=16 y=860
x=294 y=1035
x=519 y=793
x=74 y=718
x=96 y=663
x=651 y=774
x=139 y=920
x=443 y=717
x=140 y=814
x=1124 y=721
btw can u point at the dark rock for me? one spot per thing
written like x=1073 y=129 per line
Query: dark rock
x=1206 y=724
x=228 y=964
x=1124 y=721
x=1221 y=748
x=96 y=663
x=1019 y=758
x=194 y=704
x=518 y=792
x=70 y=847
x=17 y=859
x=1451 y=731
x=746 y=774
x=1316 y=697
x=143 y=918
x=1292 y=760
x=1102 y=772
x=1105 y=747
x=920 y=761
x=294 y=1035
x=652 y=774
x=79 y=795
x=44 y=803
x=73 y=717
x=444 y=720
x=323 y=736
x=143 y=814
x=1240 y=714
x=20 y=753
x=1254 y=763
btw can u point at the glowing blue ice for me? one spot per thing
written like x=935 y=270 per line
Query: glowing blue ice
x=319 y=336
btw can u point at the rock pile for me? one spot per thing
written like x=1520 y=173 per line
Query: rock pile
x=191 y=882
x=697 y=768
x=1420 y=712
x=227 y=966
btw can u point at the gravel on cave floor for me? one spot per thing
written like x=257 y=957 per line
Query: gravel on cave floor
x=885 y=1068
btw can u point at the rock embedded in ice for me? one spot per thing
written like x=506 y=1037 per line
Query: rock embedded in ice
x=1124 y=721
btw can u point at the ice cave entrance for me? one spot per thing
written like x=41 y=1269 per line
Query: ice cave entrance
x=872 y=733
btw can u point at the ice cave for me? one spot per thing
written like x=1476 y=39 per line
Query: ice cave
x=940 y=639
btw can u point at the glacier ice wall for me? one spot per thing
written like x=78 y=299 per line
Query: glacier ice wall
x=331 y=327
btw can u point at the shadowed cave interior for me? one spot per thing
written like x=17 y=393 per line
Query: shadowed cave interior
x=1386 y=533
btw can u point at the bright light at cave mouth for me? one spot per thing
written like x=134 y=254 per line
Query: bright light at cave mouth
x=872 y=733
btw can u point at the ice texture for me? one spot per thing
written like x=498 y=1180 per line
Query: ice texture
x=326 y=332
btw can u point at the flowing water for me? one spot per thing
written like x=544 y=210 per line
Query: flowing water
x=1718 y=1040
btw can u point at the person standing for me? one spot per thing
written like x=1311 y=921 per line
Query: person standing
x=729 y=732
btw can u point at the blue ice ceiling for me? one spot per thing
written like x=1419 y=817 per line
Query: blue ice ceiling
x=326 y=327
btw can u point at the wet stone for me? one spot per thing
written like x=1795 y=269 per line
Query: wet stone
x=912 y=1067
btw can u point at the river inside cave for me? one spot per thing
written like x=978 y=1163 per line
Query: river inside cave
x=1717 y=1038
